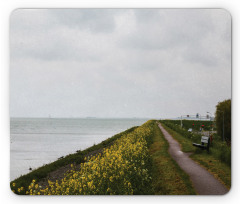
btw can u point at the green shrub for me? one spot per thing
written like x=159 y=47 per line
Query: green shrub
x=223 y=115
x=224 y=154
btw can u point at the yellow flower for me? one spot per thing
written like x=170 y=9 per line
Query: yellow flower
x=111 y=178
x=115 y=163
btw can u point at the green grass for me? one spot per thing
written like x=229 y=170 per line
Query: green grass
x=77 y=158
x=220 y=170
x=186 y=144
x=168 y=177
x=217 y=161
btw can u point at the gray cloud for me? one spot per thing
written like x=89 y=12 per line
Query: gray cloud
x=95 y=20
x=191 y=32
x=119 y=62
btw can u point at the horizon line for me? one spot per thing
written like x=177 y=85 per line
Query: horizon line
x=88 y=117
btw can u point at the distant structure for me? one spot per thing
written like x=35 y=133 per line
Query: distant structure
x=195 y=117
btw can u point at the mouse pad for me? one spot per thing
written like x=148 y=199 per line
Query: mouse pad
x=120 y=101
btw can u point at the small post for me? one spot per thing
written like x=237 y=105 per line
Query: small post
x=210 y=123
x=208 y=144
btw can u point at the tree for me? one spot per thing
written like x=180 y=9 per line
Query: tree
x=223 y=119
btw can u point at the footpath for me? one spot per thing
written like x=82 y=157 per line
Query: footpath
x=203 y=182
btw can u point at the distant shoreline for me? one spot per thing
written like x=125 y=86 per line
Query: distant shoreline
x=135 y=118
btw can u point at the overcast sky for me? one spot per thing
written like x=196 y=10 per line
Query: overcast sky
x=153 y=63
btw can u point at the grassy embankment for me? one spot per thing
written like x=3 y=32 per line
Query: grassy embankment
x=77 y=158
x=169 y=178
x=217 y=161
x=133 y=162
x=121 y=168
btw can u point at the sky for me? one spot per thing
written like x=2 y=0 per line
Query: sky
x=119 y=63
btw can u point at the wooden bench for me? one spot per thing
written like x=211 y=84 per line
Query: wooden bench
x=204 y=140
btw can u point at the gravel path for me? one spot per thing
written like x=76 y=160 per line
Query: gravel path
x=203 y=182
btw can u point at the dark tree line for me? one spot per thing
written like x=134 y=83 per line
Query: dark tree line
x=223 y=120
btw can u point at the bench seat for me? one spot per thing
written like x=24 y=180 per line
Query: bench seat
x=204 y=140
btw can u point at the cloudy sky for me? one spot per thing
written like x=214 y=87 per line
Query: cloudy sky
x=154 y=63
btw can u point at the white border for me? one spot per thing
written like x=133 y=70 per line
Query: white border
x=6 y=7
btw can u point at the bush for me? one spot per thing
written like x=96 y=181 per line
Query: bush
x=223 y=115
x=224 y=154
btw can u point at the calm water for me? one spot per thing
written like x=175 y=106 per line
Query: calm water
x=35 y=142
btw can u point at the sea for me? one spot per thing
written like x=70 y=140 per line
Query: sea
x=38 y=141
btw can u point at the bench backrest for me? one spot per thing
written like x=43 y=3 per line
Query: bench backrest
x=204 y=139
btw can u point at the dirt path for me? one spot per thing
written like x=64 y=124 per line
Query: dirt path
x=203 y=182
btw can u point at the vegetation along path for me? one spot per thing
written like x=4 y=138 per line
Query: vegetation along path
x=203 y=182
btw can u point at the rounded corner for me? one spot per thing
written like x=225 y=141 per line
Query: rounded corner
x=229 y=191
x=13 y=192
x=13 y=12
x=227 y=12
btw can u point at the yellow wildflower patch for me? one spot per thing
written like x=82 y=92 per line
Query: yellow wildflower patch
x=120 y=169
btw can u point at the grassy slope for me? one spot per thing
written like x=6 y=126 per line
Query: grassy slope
x=42 y=172
x=220 y=170
x=168 y=177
